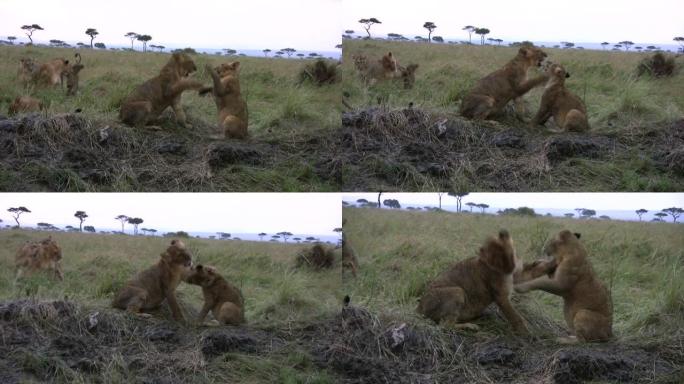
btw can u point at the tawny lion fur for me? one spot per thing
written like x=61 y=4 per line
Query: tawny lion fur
x=232 y=108
x=144 y=105
x=44 y=255
x=149 y=288
x=461 y=293
x=567 y=109
x=586 y=301
x=223 y=299
x=491 y=93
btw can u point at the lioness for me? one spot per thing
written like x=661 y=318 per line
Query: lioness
x=51 y=73
x=567 y=109
x=39 y=255
x=149 y=288
x=150 y=99
x=491 y=93
x=461 y=293
x=223 y=299
x=586 y=301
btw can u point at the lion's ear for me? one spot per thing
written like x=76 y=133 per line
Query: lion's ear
x=236 y=65
x=389 y=54
x=577 y=235
x=567 y=74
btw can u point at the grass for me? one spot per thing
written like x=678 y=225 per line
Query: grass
x=639 y=113
x=278 y=299
x=282 y=113
x=641 y=263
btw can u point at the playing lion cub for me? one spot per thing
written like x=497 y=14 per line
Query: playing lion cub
x=461 y=293
x=586 y=301
x=39 y=255
x=149 y=288
x=232 y=109
x=223 y=299
x=567 y=109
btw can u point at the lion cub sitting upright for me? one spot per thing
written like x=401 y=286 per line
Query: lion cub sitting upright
x=568 y=110
x=151 y=98
x=232 y=109
x=149 y=288
x=39 y=255
x=224 y=300
x=586 y=301
x=461 y=293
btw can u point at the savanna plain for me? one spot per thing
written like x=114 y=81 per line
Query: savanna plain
x=415 y=139
x=291 y=120
x=67 y=332
x=399 y=252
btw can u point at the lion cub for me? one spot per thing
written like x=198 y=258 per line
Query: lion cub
x=22 y=104
x=491 y=93
x=149 y=288
x=40 y=255
x=568 y=110
x=349 y=260
x=232 y=109
x=144 y=105
x=461 y=293
x=224 y=300
x=587 y=304
x=371 y=72
x=51 y=73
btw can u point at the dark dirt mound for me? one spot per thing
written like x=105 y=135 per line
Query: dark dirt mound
x=361 y=349
x=70 y=152
x=409 y=149
x=53 y=341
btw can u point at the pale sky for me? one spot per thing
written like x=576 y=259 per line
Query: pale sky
x=299 y=213
x=569 y=201
x=312 y=25
x=655 y=21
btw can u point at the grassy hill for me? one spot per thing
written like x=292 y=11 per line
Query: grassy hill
x=287 y=124
x=641 y=263
x=288 y=312
x=633 y=144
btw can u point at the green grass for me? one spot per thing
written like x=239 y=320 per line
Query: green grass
x=277 y=297
x=281 y=112
x=638 y=114
x=400 y=251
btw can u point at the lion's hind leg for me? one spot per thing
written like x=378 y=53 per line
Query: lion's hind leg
x=478 y=107
x=136 y=113
x=592 y=326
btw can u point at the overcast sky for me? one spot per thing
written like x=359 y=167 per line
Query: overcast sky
x=299 y=213
x=655 y=21
x=312 y=25
x=569 y=201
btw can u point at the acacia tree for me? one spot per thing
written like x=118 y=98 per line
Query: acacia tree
x=89 y=228
x=627 y=44
x=261 y=236
x=680 y=40
x=152 y=231
x=144 y=39
x=430 y=26
x=640 y=212
x=92 y=32
x=471 y=205
x=266 y=52
x=11 y=39
x=133 y=36
x=579 y=211
x=482 y=32
x=368 y=23
x=604 y=45
x=16 y=212
x=470 y=29
x=569 y=215
x=135 y=221
x=123 y=219
x=459 y=196
x=674 y=212
x=659 y=216
x=483 y=207
x=588 y=213
x=285 y=235
x=439 y=194
x=100 y=46
x=30 y=29
x=81 y=216
x=289 y=51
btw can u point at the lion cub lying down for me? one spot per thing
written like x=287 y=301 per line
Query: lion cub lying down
x=149 y=288
x=39 y=255
x=586 y=301
x=568 y=110
x=461 y=293
x=151 y=98
x=223 y=299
